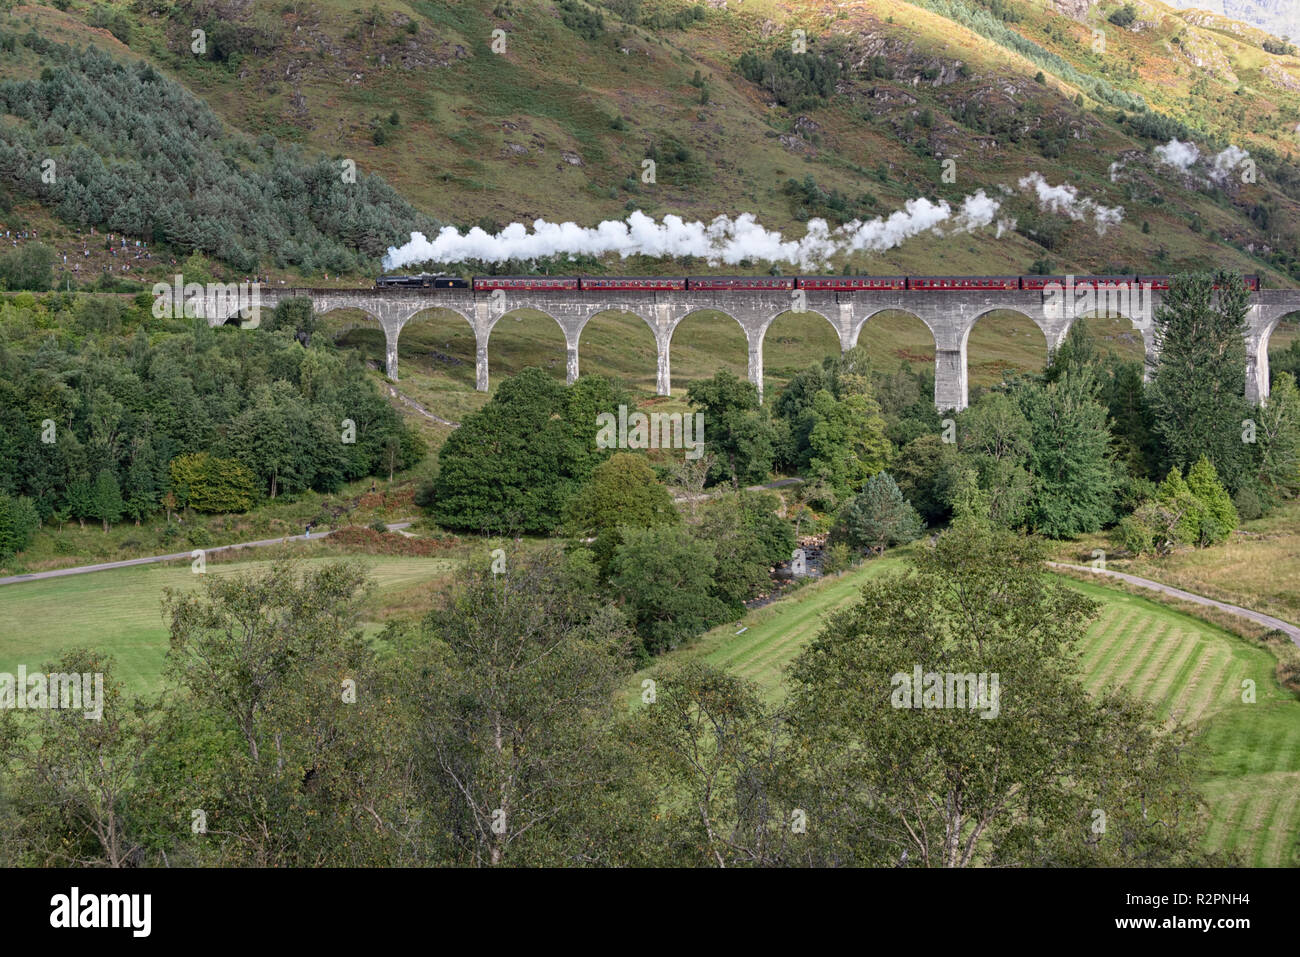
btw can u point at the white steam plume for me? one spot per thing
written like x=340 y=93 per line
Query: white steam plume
x=724 y=240
x=1227 y=161
x=1181 y=156
x=728 y=240
x=1064 y=199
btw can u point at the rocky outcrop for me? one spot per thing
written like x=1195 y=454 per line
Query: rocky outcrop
x=1074 y=9
x=1278 y=17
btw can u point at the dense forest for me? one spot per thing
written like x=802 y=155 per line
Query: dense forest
x=135 y=153
x=119 y=416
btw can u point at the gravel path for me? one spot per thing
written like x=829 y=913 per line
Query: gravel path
x=1267 y=621
x=176 y=556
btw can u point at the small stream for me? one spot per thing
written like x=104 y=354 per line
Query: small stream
x=814 y=548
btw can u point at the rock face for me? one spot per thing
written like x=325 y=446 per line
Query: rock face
x=1075 y=9
x=1278 y=17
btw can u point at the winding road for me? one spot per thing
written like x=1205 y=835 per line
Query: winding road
x=1268 y=621
x=175 y=556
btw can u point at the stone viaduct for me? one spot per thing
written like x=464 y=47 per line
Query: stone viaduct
x=949 y=315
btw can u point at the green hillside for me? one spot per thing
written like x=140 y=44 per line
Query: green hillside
x=559 y=123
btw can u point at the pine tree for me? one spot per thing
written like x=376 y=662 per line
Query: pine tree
x=106 y=498
x=1197 y=391
x=1220 y=514
x=1279 y=438
x=876 y=517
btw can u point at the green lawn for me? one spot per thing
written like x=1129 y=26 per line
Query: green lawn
x=120 y=612
x=774 y=634
x=1188 y=669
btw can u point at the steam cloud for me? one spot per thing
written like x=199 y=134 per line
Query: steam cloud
x=1227 y=161
x=1184 y=156
x=724 y=240
x=1181 y=156
x=1065 y=200
x=728 y=240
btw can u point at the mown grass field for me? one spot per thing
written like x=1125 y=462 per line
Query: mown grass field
x=1187 y=669
x=1194 y=672
x=120 y=611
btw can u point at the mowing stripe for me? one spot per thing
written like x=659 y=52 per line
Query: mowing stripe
x=1183 y=678
x=1122 y=655
x=1106 y=651
x=1156 y=688
x=1102 y=636
x=1210 y=687
x=1155 y=662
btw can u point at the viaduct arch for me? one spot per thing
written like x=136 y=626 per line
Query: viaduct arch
x=949 y=315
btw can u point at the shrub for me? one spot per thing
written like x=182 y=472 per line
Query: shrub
x=1188 y=511
x=582 y=20
x=356 y=538
x=1220 y=518
x=1250 y=503
x=199 y=536
x=27 y=267
x=837 y=558
x=207 y=483
x=1124 y=16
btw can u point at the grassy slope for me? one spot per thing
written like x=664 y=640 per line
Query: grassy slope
x=1186 y=668
x=330 y=76
x=120 y=612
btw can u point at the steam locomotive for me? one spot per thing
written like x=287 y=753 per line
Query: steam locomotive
x=771 y=283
